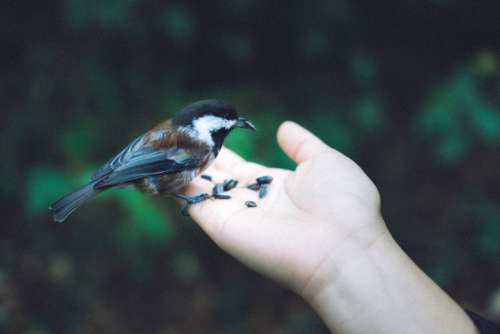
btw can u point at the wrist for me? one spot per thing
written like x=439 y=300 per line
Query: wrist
x=345 y=266
x=356 y=246
x=352 y=288
x=376 y=288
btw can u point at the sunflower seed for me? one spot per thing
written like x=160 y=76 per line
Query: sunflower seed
x=254 y=186
x=250 y=204
x=206 y=177
x=230 y=184
x=266 y=179
x=218 y=189
x=263 y=191
x=221 y=196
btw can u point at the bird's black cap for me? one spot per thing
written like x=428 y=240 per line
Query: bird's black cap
x=205 y=108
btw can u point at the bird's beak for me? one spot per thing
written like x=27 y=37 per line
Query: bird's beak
x=245 y=124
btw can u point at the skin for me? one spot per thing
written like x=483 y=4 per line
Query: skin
x=320 y=232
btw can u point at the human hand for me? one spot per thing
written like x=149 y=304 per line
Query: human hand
x=297 y=233
x=319 y=231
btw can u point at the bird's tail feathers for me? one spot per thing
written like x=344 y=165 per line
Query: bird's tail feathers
x=64 y=206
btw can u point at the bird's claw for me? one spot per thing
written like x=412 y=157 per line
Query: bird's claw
x=197 y=199
x=192 y=200
x=184 y=209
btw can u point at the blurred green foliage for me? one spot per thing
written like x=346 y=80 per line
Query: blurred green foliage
x=411 y=91
x=458 y=117
x=109 y=14
x=44 y=183
x=179 y=24
x=486 y=212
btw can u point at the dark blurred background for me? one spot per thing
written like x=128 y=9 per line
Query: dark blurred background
x=408 y=89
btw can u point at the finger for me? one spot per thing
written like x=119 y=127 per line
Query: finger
x=298 y=143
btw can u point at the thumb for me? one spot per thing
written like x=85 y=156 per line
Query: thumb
x=298 y=143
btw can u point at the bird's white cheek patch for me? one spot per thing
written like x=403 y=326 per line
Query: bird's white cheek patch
x=204 y=126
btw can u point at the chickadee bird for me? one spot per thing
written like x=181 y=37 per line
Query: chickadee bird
x=166 y=158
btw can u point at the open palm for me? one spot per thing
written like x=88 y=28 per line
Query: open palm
x=300 y=228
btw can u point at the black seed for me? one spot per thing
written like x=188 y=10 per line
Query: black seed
x=206 y=177
x=218 y=189
x=221 y=196
x=230 y=184
x=263 y=191
x=251 y=204
x=266 y=179
x=201 y=198
x=254 y=186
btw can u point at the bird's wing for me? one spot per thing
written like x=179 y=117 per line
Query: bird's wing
x=149 y=161
x=120 y=158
